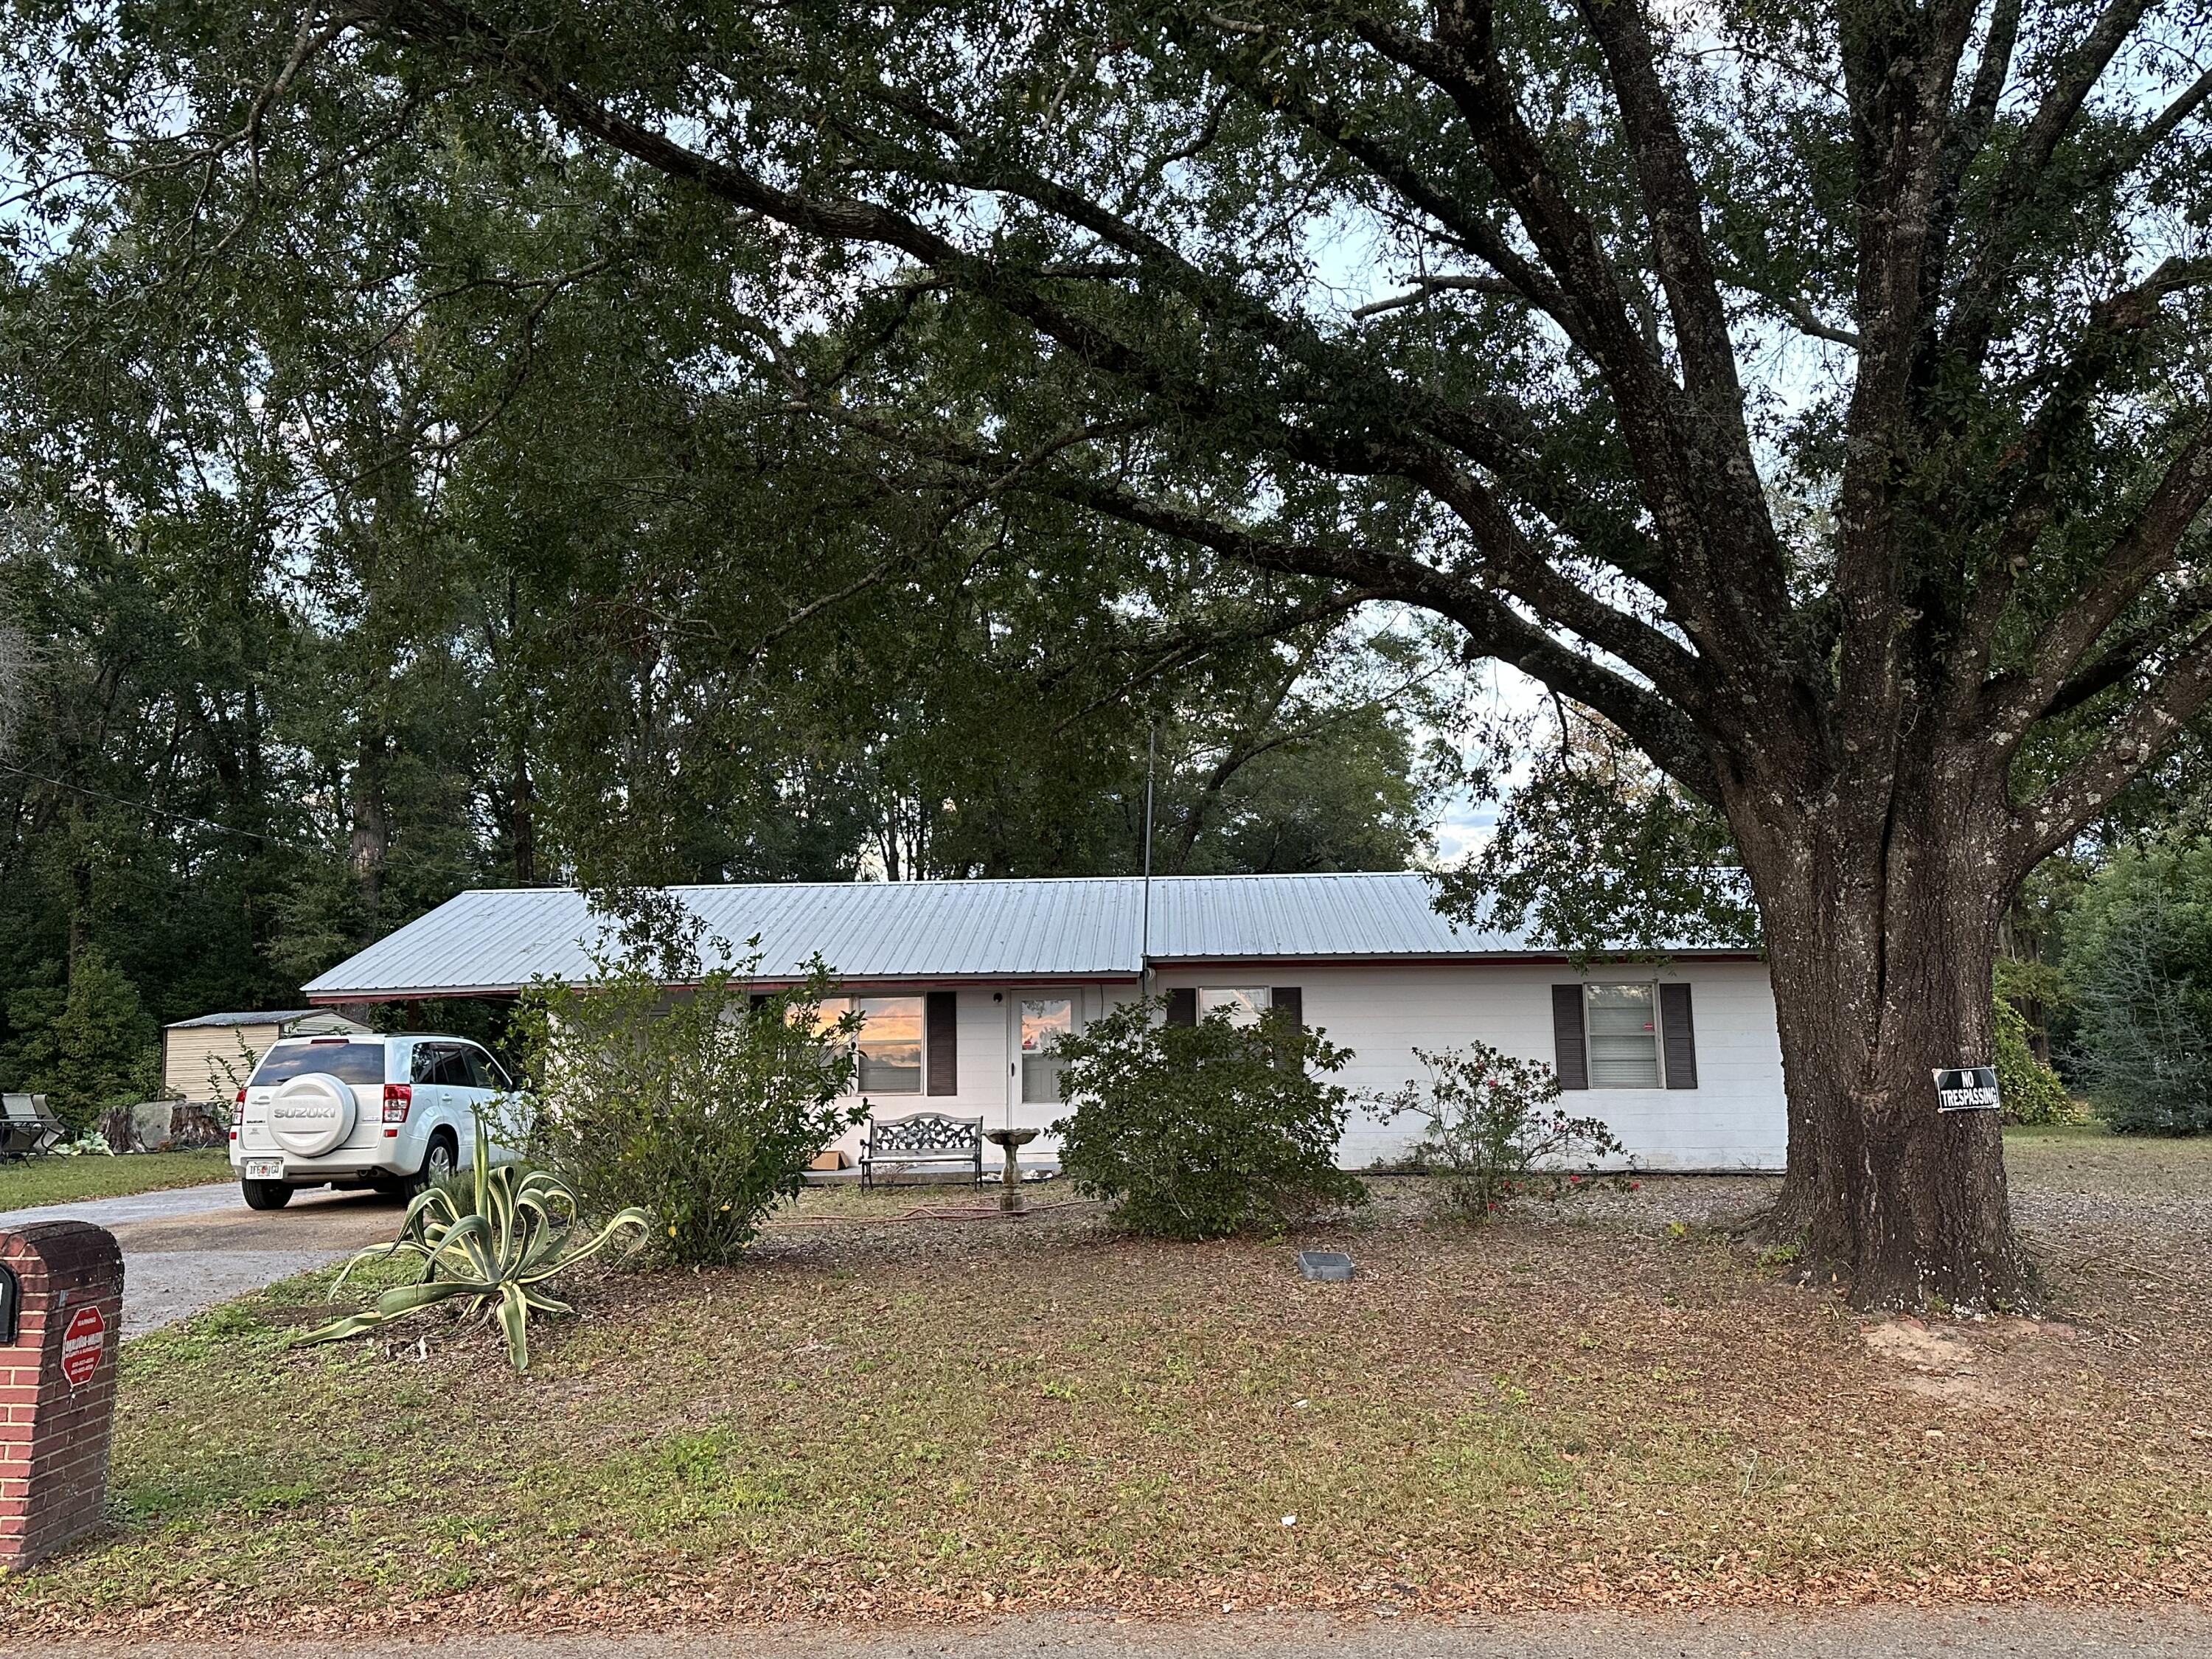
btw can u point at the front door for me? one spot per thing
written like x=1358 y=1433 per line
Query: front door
x=1044 y=1021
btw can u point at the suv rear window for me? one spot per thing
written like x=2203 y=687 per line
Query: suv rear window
x=348 y=1062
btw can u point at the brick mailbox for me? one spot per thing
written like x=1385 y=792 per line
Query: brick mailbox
x=58 y=1336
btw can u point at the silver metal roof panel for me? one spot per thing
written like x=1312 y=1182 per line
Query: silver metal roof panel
x=274 y=1017
x=504 y=939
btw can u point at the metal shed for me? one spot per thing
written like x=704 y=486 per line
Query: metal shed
x=204 y=1059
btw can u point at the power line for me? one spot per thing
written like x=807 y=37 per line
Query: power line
x=145 y=806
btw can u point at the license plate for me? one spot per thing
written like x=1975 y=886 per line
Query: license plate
x=264 y=1168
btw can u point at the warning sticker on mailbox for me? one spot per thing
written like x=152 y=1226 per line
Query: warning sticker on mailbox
x=82 y=1343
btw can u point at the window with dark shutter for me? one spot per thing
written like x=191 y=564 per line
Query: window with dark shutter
x=943 y=1009
x=1571 y=1060
x=1678 y=1036
x=1182 y=1006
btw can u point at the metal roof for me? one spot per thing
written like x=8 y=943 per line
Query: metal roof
x=274 y=1017
x=1091 y=927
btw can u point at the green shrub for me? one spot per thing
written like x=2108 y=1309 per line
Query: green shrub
x=2030 y=1090
x=1201 y=1131
x=1497 y=1132
x=704 y=1107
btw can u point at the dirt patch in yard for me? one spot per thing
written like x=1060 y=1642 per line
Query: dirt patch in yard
x=933 y=1418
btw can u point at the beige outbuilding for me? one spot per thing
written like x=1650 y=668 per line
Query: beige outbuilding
x=208 y=1058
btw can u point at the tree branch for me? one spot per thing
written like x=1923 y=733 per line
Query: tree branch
x=1428 y=287
x=1973 y=321
x=1491 y=627
x=2074 y=800
x=2145 y=547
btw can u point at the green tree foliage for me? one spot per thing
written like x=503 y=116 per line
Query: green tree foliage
x=362 y=612
x=2139 y=954
x=2031 y=1091
x=1820 y=398
x=87 y=1043
x=1204 y=1130
x=704 y=1108
x=1596 y=851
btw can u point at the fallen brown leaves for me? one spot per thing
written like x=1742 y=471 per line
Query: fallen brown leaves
x=936 y=1420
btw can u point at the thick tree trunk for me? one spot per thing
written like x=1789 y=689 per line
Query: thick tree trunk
x=522 y=821
x=371 y=832
x=1880 y=937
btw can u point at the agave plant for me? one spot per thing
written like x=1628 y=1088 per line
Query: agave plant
x=494 y=1259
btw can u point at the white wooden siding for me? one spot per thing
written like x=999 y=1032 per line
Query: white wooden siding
x=1733 y=1120
x=194 y=1058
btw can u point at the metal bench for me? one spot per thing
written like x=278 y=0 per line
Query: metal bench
x=28 y=1125
x=925 y=1137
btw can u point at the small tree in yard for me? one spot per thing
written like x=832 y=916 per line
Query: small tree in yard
x=90 y=1046
x=1201 y=1131
x=704 y=1108
x=1497 y=1132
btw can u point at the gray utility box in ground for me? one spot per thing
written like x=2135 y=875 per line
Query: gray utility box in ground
x=1329 y=1265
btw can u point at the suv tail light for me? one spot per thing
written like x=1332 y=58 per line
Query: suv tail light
x=239 y=1100
x=398 y=1097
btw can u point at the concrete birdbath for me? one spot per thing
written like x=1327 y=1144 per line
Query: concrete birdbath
x=1011 y=1141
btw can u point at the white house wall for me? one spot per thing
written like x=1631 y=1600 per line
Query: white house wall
x=1733 y=1120
x=985 y=1059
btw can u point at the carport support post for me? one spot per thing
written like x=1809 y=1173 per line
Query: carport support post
x=59 y=1388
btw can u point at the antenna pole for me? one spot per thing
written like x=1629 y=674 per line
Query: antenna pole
x=1144 y=947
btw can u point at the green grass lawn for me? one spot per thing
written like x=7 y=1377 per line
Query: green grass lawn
x=2090 y=1129
x=40 y=1181
x=925 y=1417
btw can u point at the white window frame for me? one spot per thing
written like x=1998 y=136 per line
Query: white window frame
x=1257 y=998
x=1658 y=1037
x=860 y=1037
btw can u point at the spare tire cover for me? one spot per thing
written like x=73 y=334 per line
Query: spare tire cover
x=312 y=1114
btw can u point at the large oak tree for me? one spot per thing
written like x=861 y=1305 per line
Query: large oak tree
x=1817 y=391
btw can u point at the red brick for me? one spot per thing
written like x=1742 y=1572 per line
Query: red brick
x=54 y=1438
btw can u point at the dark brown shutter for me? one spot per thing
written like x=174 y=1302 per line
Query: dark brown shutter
x=1678 y=1037
x=1573 y=1062
x=941 y=1012
x=1291 y=1002
x=1182 y=1006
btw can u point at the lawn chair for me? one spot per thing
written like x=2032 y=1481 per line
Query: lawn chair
x=27 y=1127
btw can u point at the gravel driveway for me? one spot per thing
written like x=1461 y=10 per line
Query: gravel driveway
x=192 y=1248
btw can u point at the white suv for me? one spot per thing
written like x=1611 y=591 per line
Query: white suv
x=390 y=1112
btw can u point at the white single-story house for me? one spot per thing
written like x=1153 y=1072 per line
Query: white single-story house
x=962 y=984
x=208 y=1058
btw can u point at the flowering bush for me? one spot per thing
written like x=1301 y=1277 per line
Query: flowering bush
x=1497 y=1132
